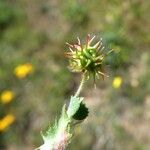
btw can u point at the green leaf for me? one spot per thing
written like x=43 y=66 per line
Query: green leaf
x=74 y=105
x=53 y=135
x=82 y=112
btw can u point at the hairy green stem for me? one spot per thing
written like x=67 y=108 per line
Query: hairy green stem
x=81 y=85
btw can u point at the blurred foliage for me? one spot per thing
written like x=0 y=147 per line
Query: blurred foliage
x=78 y=11
x=35 y=31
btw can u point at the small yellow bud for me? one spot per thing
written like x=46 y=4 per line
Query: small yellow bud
x=117 y=82
x=23 y=70
x=7 y=96
x=6 y=121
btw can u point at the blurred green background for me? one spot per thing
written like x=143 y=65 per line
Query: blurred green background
x=35 y=81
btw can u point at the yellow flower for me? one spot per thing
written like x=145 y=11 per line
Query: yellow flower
x=7 y=96
x=117 y=82
x=23 y=70
x=6 y=121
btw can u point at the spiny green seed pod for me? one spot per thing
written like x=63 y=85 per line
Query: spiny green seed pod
x=86 y=58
